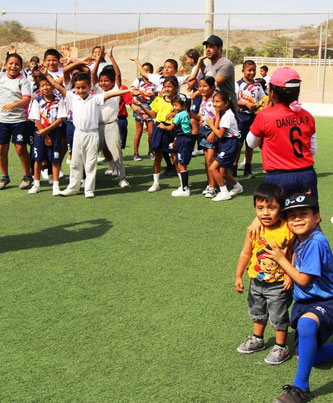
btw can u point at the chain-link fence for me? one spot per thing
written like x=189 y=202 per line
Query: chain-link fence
x=304 y=41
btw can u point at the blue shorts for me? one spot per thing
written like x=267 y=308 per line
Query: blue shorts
x=19 y=132
x=184 y=148
x=203 y=134
x=138 y=117
x=161 y=139
x=321 y=308
x=122 y=124
x=295 y=181
x=226 y=151
x=246 y=120
x=51 y=153
x=70 y=129
x=195 y=104
x=30 y=127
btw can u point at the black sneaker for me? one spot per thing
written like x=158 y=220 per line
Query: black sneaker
x=293 y=394
x=248 y=173
x=4 y=182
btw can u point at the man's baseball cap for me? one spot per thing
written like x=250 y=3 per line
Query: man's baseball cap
x=213 y=40
x=300 y=200
x=283 y=75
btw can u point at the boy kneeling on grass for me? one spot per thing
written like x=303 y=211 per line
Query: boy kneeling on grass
x=269 y=294
x=312 y=274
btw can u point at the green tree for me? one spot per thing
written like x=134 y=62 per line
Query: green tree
x=235 y=55
x=249 y=51
x=276 y=47
x=11 y=31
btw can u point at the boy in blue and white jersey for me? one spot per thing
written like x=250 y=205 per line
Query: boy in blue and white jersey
x=312 y=274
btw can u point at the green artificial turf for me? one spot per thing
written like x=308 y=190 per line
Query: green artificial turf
x=129 y=297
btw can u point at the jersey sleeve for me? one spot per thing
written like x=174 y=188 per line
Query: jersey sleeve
x=177 y=119
x=34 y=113
x=311 y=259
x=225 y=121
x=182 y=80
x=154 y=78
x=26 y=88
x=69 y=99
x=99 y=99
x=62 y=112
x=257 y=127
x=154 y=105
x=135 y=83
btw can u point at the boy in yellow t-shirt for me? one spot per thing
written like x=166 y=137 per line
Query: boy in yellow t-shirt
x=269 y=293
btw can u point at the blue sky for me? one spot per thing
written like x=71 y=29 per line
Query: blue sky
x=103 y=23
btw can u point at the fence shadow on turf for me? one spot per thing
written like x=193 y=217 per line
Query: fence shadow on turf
x=59 y=235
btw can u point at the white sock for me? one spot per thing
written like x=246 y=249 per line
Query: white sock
x=223 y=189
x=156 y=179
x=55 y=184
x=180 y=179
x=37 y=183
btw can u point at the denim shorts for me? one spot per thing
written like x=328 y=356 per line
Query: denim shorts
x=268 y=301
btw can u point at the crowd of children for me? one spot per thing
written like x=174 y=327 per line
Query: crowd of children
x=79 y=106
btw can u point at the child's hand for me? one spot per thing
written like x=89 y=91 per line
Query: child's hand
x=239 y=285
x=255 y=229
x=211 y=138
x=135 y=91
x=161 y=126
x=201 y=59
x=102 y=54
x=133 y=59
x=111 y=50
x=47 y=140
x=12 y=48
x=88 y=61
x=42 y=69
x=276 y=253
x=288 y=283
x=41 y=132
x=170 y=116
x=8 y=107
x=136 y=102
x=210 y=122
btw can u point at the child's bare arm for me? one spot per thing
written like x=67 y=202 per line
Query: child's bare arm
x=22 y=103
x=45 y=130
x=219 y=132
x=94 y=77
x=52 y=81
x=140 y=68
x=149 y=112
x=193 y=75
x=243 y=261
x=116 y=68
x=167 y=128
x=111 y=94
x=73 y=65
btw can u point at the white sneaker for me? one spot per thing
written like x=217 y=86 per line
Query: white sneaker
x=206 y=190
x=123 y=183
x=55 y=192
x=67 y=192
x=241 y=165
x=89 y=194
x=181 y=193
x=50 y=179
x=68 y=161
x=136 y=157
x=45 y=174
x=111 y=172
x=34 y=189
x=154 y=188
x=195 y=153
x=211 y=193
x=100 y=159
x=61 y=174
x=236 y=190
x=222 y=196
x=82 y=185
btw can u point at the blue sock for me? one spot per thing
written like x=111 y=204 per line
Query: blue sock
x=307 y=350
x=324 y=354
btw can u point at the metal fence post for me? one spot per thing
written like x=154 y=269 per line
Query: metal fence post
x=138 y=40
x=319 y=57
x=325 y=57
x=55 y=30
x=228 y=37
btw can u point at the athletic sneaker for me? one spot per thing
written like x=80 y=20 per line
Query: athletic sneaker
x=251 y=345
x=100 y=159
x=111 y=172
x=293 y=394
x=26 y=182
x=151 y=156
x=210 y=193
x=154 y=188
x=45 y=173
x=241 y=165
x=34 y=190
x=56 y=192
x=236 y=190
x=61 y=174
x=195 y=153
x=50 y=179
x=277 y=355
x=67 y=192
x=222 y=196
x=206 y=190
x=123 y=183
x=136 y=157
x=180 y=192
x=248 y=173
x=89 y=194
x=4 y=182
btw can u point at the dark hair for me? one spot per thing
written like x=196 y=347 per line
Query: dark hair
x=226 y=98
x=109 y=72
x=16 y=55
x=34 y=59
x=209 y=80
x=264 y=68
x=151 y=67
x=248 y=63
x=173 y=62
x=285 y=95
x=173 y=80
x=82 y=77
x=193 y=54
x=262 y=82
x=43 y=78
x=269 y=191
x=52 y=52
x=183 y=100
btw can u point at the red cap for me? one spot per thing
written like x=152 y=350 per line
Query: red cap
x=283 y=75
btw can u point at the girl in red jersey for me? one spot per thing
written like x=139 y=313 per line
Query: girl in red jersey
x=287 y=136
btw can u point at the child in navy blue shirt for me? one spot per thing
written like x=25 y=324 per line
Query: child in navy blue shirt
x=312 y=274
